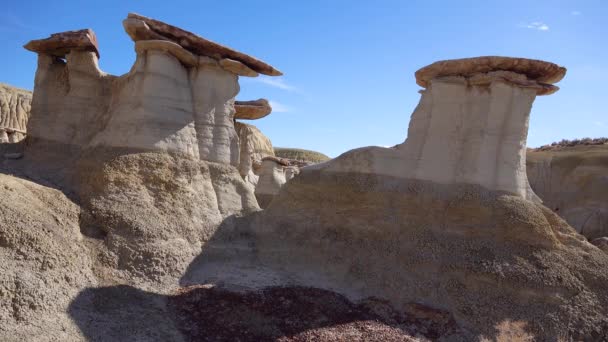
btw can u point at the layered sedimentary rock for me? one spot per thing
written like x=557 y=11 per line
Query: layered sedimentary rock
x=470 y=126
x=442 y=220
x=178 y=96
x=146 y=163
x=142 y=28
x=572 y=182
x=15 y=105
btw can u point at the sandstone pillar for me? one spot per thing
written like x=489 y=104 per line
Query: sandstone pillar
x=471 y=125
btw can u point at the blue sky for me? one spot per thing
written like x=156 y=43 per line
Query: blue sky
x=349 y=65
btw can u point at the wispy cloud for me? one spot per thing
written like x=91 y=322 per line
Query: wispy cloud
x=576 y=13
x=279 y=107
x=536 y=25
x=277 y=82
x=10 y=22
x=599 y=123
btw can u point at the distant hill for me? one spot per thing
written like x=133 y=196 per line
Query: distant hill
x=565 y=144
x=300 y=154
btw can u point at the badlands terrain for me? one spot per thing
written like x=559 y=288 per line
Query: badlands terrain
x=142 y=207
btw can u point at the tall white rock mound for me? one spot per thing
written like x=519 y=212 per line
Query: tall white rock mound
x=470 y=126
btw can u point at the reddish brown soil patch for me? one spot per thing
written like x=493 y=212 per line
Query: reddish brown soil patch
x=300 y=314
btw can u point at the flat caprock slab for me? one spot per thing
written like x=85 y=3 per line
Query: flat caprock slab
x=533 y=69
x=143 y=28
x=252 y=110
x=60 y=44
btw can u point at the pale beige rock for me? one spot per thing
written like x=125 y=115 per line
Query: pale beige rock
x=272 y=178
x=44 y=262
x=3 y=136
x=572 y=182
x=183 y=55
x=254 y=146
x=237 y=67
x=15 y=106
x=171 y=101
x=459 y=133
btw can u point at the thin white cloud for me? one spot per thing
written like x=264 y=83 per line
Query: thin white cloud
x=279 y=107
x=11 y=22
x=277 y=82
x=537 y=25
x=576 y=13
x=599 y=123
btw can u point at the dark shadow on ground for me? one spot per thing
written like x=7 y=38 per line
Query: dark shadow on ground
x=205 y=313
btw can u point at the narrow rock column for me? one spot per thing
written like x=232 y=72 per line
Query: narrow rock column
x=214 y=91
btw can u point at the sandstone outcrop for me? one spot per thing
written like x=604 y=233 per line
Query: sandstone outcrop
x=469 y=127
x=572 y=182
x=444 y=220
x=147 y=164
x=177 y=98
x=15 y=105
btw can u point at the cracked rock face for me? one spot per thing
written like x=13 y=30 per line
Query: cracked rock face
x=573 y=183
x=15 y=105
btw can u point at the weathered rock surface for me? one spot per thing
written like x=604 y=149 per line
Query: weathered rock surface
x=460 y=132
x=252 y=110
x=177 y=98
x=573 y=183
x=443 y=219
x=534 y=70
x=486 y=257
x=147 y=166
x=15 y=105
x=272 y=178
x=254 y=146
x=601 y=243
x=60 y=44
x=142 y=28
x=44 y=263
x=155 y=211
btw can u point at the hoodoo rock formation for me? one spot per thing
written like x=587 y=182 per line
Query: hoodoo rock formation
x=444 y=219
x=470 y=126
x=15 y=107
x=131 y=215
x=147 y=164
x=178 y=96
